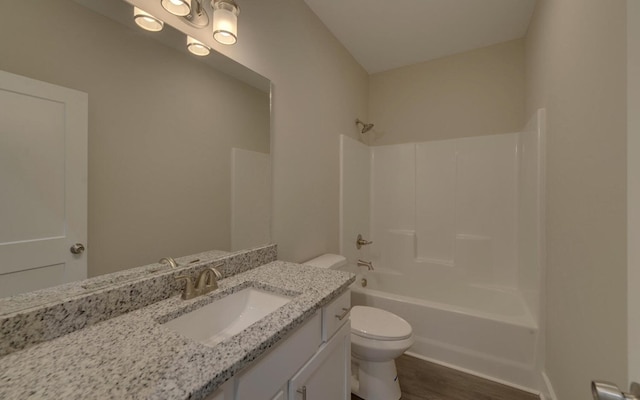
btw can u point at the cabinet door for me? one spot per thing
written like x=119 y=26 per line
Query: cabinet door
x=225 y=392
x=264 y=379
x=327 y=375
x=217 y=395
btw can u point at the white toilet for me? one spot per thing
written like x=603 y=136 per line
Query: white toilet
x=378 y=337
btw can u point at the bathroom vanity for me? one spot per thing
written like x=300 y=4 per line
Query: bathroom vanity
x=301 y=350
x=312 y=363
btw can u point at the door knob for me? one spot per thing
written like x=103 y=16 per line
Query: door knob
x=77 y=248
x=609 y=391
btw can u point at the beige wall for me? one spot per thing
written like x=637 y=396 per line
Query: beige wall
x=478 y=92
x=318 y=91
x=160 y=130
x=575 y=68
x=633 y=186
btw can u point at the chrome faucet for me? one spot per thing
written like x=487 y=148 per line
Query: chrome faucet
x=207 y=282
x=368 y=264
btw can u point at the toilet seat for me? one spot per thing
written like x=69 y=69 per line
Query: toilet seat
x=374 y=323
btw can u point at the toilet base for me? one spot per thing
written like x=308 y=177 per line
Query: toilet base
x=374 y=380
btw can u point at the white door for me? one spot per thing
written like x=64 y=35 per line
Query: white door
x=43 y=184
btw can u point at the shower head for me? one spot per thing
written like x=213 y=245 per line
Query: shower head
x=365 y=127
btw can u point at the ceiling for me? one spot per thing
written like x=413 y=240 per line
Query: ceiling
x=383 y=34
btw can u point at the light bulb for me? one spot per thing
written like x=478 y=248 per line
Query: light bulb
x=197 y=47
x=147 y=21
x=225 y=21
x=177 y=7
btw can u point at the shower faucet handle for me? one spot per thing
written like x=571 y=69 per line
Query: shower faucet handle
x=361 y=242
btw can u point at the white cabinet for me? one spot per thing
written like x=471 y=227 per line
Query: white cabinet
x=217 y=395
x=315 y=358
x=225 y=392
x=264 y=379
x=327 y=374
x=335 y=314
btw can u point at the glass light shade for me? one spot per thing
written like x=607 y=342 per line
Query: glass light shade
x=177 y=7
x=197 y=47
x=225 y=22
x=147 y=21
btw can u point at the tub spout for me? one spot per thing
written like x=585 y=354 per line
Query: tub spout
x=368 y=264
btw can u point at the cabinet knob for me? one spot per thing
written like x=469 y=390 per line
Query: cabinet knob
x=303 y=392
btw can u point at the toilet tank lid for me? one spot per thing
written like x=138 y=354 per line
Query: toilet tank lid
x=327 y=261
x=374 y=323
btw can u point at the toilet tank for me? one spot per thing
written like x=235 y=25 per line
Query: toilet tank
x=331 y=261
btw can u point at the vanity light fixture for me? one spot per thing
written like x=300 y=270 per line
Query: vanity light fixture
x=197 y=17
x=197 y=47
x=225 y=21
x=177 y=7
x=147 y=21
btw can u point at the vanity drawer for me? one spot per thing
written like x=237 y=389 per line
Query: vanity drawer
x=335 y=314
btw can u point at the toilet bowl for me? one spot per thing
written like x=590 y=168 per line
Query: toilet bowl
x=378 y=337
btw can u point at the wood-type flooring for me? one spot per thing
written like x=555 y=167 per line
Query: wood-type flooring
x=422 y=380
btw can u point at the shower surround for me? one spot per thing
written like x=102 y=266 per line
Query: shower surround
x=457 y=245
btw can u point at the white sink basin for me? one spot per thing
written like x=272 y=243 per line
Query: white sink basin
x=227 y=316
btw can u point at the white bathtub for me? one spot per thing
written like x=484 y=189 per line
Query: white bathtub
x=483 y=330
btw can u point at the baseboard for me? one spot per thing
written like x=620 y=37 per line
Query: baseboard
x=479 y=375
x=478 y=363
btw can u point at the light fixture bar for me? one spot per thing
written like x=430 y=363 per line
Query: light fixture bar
x=198 y=17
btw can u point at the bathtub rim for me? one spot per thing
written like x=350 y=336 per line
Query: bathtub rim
x=479 y=361
x=526 y=321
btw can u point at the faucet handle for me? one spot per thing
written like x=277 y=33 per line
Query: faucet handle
x=216 y=271
x=208 y=280
x=189 y=291
x=361 y=242
x=170 y=261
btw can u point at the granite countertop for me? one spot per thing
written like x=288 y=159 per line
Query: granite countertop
x=134 y=357
x=35 y=299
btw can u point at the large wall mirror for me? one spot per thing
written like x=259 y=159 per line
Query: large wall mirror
x=178 y=145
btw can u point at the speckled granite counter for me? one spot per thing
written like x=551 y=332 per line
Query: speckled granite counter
x=46 y=314
x=38 y=298
x=134 y=357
